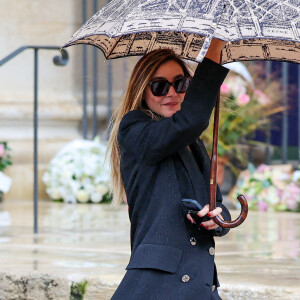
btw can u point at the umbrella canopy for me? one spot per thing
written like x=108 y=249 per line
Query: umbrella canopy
x=257 y=29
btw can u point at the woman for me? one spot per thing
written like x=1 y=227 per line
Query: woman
x=158 y=159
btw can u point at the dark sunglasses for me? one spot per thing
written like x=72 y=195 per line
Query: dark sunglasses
x=161 y=87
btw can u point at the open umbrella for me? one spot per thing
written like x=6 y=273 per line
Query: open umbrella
x=256 y=30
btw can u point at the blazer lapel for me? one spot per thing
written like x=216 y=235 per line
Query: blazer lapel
x=194 y=177
x=202 y=159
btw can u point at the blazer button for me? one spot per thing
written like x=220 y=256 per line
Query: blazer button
x=213 y=287
x=211 y=251
x=185 y=278
x=193 y=241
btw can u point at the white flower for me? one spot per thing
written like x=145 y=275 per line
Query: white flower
x=82 y=196
x=102 y=189
x=55 y=194
x=296 y=175
x=86 y=181
x=272 y=195
x=74 y=186
x=96 y=198
x=70 y=198
x=5 y=183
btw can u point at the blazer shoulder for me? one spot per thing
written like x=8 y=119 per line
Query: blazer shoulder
x=134 y=116
x=134 y=119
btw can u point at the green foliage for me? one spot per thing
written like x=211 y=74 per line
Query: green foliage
x=5 y=160
x=107 y=198
x=78 y=290
x=58 y=200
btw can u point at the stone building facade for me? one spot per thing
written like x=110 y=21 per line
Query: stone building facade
x=40 y=22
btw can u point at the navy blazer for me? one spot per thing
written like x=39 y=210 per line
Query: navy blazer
x=170 y=258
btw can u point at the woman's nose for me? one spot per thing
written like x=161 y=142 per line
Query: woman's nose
x=172 y=91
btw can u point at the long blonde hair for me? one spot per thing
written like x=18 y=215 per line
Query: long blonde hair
x=133 y=100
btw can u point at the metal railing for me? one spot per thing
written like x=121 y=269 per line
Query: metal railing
x=61 y=60
x=109 y=71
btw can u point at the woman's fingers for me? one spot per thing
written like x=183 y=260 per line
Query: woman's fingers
x=215 y=212
x=190 y=218
x=208 y=223
x=211 y=224
x=201 y=213
x=212 y=227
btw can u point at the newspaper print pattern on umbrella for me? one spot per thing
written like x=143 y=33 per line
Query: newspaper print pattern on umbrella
x=257 y=29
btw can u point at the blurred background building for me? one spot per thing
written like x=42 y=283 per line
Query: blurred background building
x=61 y=90
x=76 y=101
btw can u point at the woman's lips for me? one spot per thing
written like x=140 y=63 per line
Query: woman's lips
x=171 y=103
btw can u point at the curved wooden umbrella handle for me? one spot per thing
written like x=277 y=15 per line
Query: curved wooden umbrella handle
x=241 y=218
x=213 y=178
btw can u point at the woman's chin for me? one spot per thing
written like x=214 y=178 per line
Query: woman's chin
x=170 y=112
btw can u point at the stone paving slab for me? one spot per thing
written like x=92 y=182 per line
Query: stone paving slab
x=78 y=243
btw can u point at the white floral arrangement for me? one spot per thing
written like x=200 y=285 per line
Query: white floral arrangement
x=269 y=188
x=79 y=173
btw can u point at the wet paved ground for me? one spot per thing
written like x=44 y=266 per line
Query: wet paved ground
x=261 y=258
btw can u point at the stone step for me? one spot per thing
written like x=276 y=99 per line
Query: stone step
x=40 y=286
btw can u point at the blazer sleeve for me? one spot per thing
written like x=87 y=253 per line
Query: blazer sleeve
x=154 y=140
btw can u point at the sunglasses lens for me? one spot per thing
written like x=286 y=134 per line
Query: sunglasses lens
x=160 y=88
x=181 y=85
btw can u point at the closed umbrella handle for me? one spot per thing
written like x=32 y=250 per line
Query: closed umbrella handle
x=241 y=218
x=213 y=177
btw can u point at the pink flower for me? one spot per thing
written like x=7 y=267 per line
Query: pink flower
x=2 y=150
x=261 y=168
x=225 y=88
x=279 y=193
x=291 y=196
x=262 y=97
x=262 y=206
x=248 y=198
x=291 y=202
x=243 y=99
